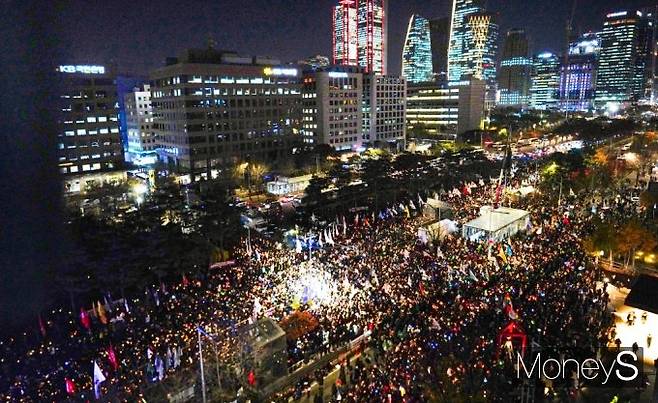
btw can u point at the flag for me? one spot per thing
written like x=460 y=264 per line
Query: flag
x=101 y=314
x=412 y=205
x=70 y=386
x=257 y=309
x=42 y=326
x=356 y=219
x=159 y=367
x=125 y=304
x=178 y=352
x=251 y=378
x=108 y=306
x=112 y=357
x=98 y=379
x=170 y=358
x=186 y=282
x=571 y=192
x=84 y=319
x=501 y=254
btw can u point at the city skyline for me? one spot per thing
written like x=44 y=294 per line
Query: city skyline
x=291 y=38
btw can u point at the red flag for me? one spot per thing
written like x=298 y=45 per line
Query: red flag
x=84 y=319
x=186 y=282
x=421 y=288
x=42 y=327
x=251 y=378
x=112 y=357
x=70 y=386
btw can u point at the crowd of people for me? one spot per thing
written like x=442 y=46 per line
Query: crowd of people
x=432 y=311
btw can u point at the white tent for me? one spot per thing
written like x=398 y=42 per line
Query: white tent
x=496 y=224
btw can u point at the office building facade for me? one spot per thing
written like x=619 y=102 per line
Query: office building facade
x=480 y=60
x=578 y=76
x=360 y=32
x=446 y=110
x=139 y=121
x=212 y=109
x=515 y=69
x=345 y=39
x=384 y=111
x=417 y=52
x=332 y=108
x=88 y=125
x=372 y=31
x=459 y=47
x=626 y=48
x=545 y=81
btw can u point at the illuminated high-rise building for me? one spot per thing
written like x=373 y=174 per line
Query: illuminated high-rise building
x=88 y=139
x=213 y=109
x=372 y=33
x=545 y=81
x=578 y=76
x=459 y=47
x=417 y=52
x=626 y=47
x=480 y=58
x=359 y=37
x=515 y=69
x=345 y=33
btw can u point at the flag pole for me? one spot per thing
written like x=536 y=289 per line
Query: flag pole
x=203 y=378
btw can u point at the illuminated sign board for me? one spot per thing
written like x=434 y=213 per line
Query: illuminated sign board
x=81 y=68
x=279 y=71
x=335 y=74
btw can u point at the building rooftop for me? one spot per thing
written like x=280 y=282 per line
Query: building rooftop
x=491 y=219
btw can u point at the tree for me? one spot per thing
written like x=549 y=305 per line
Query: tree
x=314 y=195
x=377 y=175
x=634 y=237
x=603 y=238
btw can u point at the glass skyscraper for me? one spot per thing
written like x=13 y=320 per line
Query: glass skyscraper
x=459 y=47
x=623 y=60
x=515 y=69
x=417 y=52
x=360 y=32
x=578 y=76
x=345 y=39
x=545 y=81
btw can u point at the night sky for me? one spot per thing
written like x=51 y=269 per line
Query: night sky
x=137 y=36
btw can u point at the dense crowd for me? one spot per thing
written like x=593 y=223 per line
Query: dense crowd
x=433 y=311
